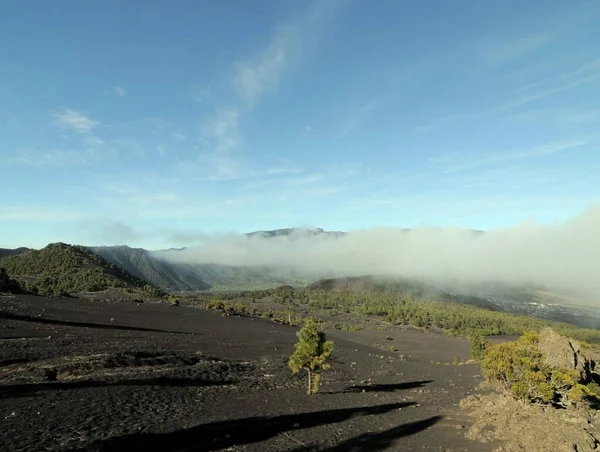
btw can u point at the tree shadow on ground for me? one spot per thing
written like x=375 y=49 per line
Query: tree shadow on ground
x=24 y=390
x=384 y=387
x=101 y=326
x=226 y=434
x=378 y=441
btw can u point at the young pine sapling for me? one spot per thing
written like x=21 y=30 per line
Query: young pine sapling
x=311 y=353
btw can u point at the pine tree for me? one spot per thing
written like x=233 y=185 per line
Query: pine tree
x=310 y=354
x=478 y=345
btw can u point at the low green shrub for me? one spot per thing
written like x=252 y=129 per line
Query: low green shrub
x=520 y=369
x=478 y=345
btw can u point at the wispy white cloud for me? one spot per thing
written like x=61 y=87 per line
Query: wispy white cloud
x=281 y=170
x=305 y=180
x=138 y=195
x=120 y=91
x=74 y=120
x=542 y=88
x=445 y=158
x=200 y=93
x=327 y=190
x=506 y=50
x=222 y=129
x=459 y=162
x=560 y=115
x=223 y=166
x=253 y=77
x=519 y=176
x=130 y=146
x=423 y=129
x=39 y=213
x=345 y=170
x=255 y=185
x=82 y=149
x=179 y=135
x=241 y=200
x=290 y=182
x=56 y=158
x=92 y=141
x=359 y=114
x=584 y=74
x=221 y=138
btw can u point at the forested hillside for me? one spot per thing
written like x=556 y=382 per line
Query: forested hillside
x=162 y=269
x=10 y=252
x=350 y=310
x=61 y=269
x=413 y=288
x=141 y=263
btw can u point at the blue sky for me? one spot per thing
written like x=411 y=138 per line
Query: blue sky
x=152 y=123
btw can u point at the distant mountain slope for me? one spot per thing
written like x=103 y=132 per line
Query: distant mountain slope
x=295 y=231
x=182 y=277
x=417 y=289
x=4 y=252
x=165 y=268
x=227 y=277
x=60 y=269
x=143 y=264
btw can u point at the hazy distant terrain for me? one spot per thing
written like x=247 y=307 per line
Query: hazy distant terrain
x=557 y=257
x=303 y=232
x=4 y=252
x=184 y=277
x=414 y=288
x=409 y=261
x=142 y=263
x=165 y=269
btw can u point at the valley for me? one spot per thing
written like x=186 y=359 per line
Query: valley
x=94 y=357
x=155 y=272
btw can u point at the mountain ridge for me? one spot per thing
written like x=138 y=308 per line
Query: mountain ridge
x=284 y=232
x=61 y=269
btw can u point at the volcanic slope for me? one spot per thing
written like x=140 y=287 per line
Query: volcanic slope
x=99 y=376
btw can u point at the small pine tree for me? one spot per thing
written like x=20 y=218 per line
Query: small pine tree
x=478 y=345
x=310 y=354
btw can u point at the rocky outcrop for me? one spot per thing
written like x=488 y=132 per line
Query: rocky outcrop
x=563 y=353
x=520 y=427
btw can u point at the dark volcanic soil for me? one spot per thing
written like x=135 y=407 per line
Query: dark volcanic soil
x=99 y=376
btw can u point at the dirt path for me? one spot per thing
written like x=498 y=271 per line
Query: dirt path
x=157 y=377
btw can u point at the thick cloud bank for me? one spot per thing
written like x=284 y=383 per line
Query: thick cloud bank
x=565 y=256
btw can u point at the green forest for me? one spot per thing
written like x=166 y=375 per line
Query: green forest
x=60 y=269
x=394 y=308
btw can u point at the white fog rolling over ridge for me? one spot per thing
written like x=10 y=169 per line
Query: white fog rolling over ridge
x=562 y=256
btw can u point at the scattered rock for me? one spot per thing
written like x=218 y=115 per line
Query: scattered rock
x=563 y=353
x=49 y=374
x=520 y=426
